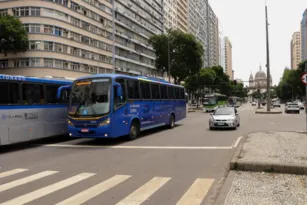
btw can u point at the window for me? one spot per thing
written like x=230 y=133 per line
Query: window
x=33 y=94
x=133 y=89
x=9 y=93
x=119 y=101
x=4 y=63
x=177 y=93
x=34 y=45
x=51 y=91
x=155 y=91
x=145 y=90
x=48 y=63
x=182 y=94
x=163 y=90
x=170 y=92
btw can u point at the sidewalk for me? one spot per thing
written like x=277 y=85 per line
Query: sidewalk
x=268 y=168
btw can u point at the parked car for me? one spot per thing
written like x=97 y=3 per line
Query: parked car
x=301 y=105
x=254 y=103
x=276 y=104
x=292 y=107
x=225 y=117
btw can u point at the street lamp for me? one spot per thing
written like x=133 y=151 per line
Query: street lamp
x=268 y=61
x=169 y=58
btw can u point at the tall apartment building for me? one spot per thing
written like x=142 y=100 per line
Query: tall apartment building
x=176 y=14
x=304 y=36
x=213 y=38
x=197 y=18
x=73 y=38
x=296 y=49
x=222 y=52
x=228 y=58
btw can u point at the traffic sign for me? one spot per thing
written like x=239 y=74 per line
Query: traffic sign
x=304 y=78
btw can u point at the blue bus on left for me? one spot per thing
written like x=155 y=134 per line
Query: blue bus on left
x=30 y=109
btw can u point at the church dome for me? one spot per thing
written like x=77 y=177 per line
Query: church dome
x=260 y=74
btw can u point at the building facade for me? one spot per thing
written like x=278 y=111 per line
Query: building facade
x=222 y=52
x=296 y=49
x=176 y=15
x=75 y=38
x=304 y=36
x=228 y=58
x=213 y=38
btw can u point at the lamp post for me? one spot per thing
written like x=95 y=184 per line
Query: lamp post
x=268 y=61
x=169 y=58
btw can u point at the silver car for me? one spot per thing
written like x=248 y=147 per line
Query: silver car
x=226 y=117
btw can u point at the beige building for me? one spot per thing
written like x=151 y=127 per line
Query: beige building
x=176 y=14
x=73 y=38
x=228 y=58
x=296 y=49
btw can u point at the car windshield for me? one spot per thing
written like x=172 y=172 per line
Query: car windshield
x=90 y=97
x=224 y=111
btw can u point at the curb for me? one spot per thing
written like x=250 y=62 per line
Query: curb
x=222 y=196
x=277 y=112
x=273 y=168
x=235 y=157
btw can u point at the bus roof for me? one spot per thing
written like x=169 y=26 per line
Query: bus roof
x=46 y=79
x=144 y=78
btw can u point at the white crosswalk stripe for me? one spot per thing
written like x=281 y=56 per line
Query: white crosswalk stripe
x=144 y=192
x=194 y=195
x=11 y=172
x=25 y=180
x=48 y=189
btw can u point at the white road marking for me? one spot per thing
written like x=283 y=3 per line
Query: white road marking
x=94 y=190
x=144 y=192
x=11 y=172
x=142 y=147
x=47 y=190
x=25 y=180
x=237 y=141
x=196 y=193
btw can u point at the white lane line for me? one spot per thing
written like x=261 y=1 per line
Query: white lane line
x=141 y=147
x=237 y=142
x=144 y=192
x=47 y=190
x=196 y=193
x=25 y=180
x=94 y=190
x=11 y=172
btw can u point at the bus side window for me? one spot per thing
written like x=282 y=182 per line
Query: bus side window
x=133 y=89
x=10 y=93
x=155 y=91
x=119 y=101
x=51 y=94
x=177 y=93
x=170 y=91
x=145 y=90
x=33 y=93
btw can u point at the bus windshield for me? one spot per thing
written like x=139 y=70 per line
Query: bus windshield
x=90 y=97
x=209 y=101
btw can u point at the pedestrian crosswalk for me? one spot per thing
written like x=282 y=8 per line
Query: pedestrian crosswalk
x=194 y=193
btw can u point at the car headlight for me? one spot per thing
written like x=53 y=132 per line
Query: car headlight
x=105 y=122
x=70 y=123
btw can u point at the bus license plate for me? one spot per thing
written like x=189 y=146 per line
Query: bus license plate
x=84 y=130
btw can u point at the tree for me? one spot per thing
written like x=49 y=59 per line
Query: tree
x=185 y=54
x=13 y=36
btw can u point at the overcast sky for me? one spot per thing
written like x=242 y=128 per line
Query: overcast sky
x=243 y=21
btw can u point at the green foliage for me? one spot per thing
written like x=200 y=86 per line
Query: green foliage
x=185 y=54
x=217 y=80
x=291 y=85
x=13 y=36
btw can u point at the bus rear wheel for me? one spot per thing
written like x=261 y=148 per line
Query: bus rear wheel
x=171 y=124
x=134 y=130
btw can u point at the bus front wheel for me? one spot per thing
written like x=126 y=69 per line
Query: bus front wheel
x=171 y=124
x=134 y=130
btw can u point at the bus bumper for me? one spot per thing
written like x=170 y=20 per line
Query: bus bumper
x=99 y=132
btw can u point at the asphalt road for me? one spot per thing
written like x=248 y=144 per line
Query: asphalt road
x=185 y=165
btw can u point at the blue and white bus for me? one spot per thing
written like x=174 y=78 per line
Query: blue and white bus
x=113 y=105
x=30 y=109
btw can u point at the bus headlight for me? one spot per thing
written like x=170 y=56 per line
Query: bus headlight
x=105 y=122
x=70 y=123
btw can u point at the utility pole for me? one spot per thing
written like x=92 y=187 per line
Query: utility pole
x=268 y=80
x=169 y=58
x=113 y=34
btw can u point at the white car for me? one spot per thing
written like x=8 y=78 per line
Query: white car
x=254 y=104
x=292 y=107
x=225 y=117
x=301 y=105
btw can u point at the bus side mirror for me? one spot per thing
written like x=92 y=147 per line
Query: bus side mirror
x=119 y=90
x=62 y=89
